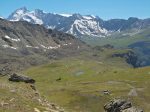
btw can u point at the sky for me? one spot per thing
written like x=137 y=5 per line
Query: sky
x=105 y=9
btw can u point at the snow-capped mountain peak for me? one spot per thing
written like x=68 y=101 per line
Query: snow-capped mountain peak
x=21 y=10
x=16 y=15
x=23 y=14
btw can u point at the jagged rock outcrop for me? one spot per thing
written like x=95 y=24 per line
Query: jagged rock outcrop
x=20 y=78
x=120 y=105
x=142 y=49
x=130 y=57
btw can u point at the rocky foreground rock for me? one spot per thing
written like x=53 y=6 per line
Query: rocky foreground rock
x=20 y=78
x=120 y=105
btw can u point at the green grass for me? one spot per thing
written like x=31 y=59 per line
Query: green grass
x=18 y=97
x=84 y=92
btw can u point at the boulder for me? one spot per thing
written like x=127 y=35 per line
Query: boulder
x=132 y=109
x=59 y=79
x=120 y=105
x=106 y=92
x=117 y=105
x=20 y=78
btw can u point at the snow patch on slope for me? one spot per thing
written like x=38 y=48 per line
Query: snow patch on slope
x=87 y=27
x=50 y=47
x=7 y=46
x=87 y=17
x=12 y=39
x=65 y=15
x=28 y=46
x=34 y=18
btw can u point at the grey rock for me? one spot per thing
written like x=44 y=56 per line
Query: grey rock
x=106 y=92
x=133 y=92
x=19 y=78
x=117 y=105
x=120 y=105
x=132 y=109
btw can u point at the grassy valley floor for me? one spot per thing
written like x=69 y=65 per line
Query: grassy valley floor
x=77 y=84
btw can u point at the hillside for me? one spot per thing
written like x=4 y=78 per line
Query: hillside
x=20 y=97
x=23 y=44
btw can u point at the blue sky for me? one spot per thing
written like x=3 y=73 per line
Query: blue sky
x=106 y=9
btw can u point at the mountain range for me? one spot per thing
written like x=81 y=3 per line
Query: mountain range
x=77 y=24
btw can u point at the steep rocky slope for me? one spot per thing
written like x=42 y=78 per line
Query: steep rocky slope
x=31 y=44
